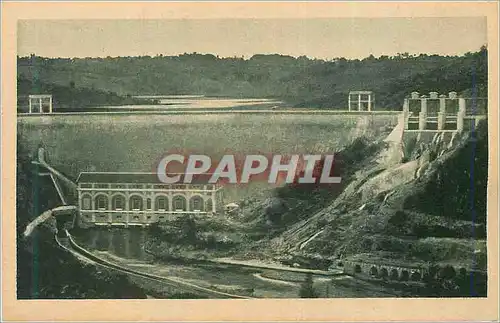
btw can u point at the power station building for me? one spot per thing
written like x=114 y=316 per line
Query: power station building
x=126 y=199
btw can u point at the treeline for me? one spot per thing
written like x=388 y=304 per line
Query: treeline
x=299 y=81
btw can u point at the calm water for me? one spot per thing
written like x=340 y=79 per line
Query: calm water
x=125 y=243
x=128 y=244
x=198 y=103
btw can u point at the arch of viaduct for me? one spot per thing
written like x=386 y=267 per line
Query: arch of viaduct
x=390 y=272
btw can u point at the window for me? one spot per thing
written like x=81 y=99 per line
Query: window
x=86 y=203
x=196 y=203
x=101 y=202
x=118 y=203
x=136 y=203
x=161 y=203
x=179 y=203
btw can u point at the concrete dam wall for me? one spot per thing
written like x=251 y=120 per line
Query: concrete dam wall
x=125 y=143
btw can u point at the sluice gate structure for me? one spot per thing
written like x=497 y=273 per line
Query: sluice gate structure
x=442 y=113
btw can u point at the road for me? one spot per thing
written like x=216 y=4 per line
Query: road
x=70 y=245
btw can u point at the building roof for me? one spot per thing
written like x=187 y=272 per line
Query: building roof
x=40 y=96
x=360 y=92
x=135 y=178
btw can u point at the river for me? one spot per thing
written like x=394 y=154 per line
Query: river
x=127 y=247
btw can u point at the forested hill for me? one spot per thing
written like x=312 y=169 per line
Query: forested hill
x=299 y=81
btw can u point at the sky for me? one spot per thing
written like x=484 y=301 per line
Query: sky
x=323 y=38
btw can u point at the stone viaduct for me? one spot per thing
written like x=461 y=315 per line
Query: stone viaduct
x=390 y=272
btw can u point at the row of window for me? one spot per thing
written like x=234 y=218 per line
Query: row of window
x=136 y=203
x=122 y=218
x=142 y=186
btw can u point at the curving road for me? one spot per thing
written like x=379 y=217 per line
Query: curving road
x=71 y=246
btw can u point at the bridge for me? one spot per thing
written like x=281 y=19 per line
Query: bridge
x=66 y=212
x=398 y=273
x=391 y=272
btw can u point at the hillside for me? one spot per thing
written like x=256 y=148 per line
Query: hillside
x=299 y=81
x=421 y=207
x=389 y=208
x=429 y=209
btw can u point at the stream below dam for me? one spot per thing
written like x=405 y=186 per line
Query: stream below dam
x=127 y=247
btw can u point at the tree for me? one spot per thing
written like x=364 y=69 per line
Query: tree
x=370 y=58
x=307 y=288
x=189 y=232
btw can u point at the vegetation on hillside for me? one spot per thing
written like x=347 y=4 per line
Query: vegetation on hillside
x=457 y=189
x=299 y=81
x=438 y=219
x=294 y=202
x=43 y=269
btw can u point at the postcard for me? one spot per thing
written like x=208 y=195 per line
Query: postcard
x=250 y=161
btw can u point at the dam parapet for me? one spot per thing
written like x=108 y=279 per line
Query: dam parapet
x=427 y=119
x=442 y=113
